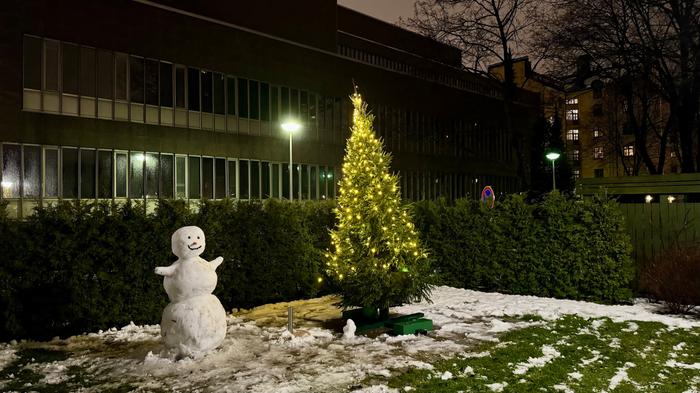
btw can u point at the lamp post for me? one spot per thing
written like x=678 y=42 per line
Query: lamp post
x=291 y=126
x=552 y=156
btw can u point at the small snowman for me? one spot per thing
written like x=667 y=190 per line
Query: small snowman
x=195 y=321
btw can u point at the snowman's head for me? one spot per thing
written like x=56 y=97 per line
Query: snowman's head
x=188 y=242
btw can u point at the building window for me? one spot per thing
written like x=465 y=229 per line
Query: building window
x=264 y=101
x=243 y=99
x=151 y=166
x=51 y=172
x=87 y=71
x=207 y=177
x=51 y=65
x=628 y=151
x=220 y=178
x=231 y=95
x=166 y=186
x=193 y=92
x=136 y=160
x=31 y=182
x=207 y=93
x=576 y=173
x=105 y=74
x=11 y=165
x=151 y=82
x=104 y=174
x=121 y=165
x=232 y=179
x=219 y=94
x=597 y=133
x=121 y=64
x=572 y=114
x=193 y=168
x=598 y=172
x=69 y=173
x=180 y=177
x=254 y=179
x=571 y=101
x=32 y=62
x=254 y=94
x=179 y=87
x=166 y=84
x=572 y=135
x=598 y=152
x=136 y=79
x=574 y=155
x=243 y=179
x=71 y=58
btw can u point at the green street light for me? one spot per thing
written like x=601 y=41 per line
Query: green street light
x=291 y=126
x=552 y=156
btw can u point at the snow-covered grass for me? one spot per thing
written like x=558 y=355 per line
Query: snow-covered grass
x=483 y=342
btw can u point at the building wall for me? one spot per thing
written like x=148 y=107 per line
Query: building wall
x=441 y=144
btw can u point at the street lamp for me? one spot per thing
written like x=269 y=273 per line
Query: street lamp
x=552 y=156
x=291 y=126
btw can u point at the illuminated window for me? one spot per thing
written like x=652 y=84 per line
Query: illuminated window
x=572 y=114
x=598 y=153
x=597 y=133
x=576 y=173
x=628 y=151
x=571 y=101
x=572 y=135
x=574 y=155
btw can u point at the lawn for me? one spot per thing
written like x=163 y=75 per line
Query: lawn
x=571 y=354
x=483 y=342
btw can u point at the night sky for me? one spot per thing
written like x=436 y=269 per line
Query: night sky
x=386 y=10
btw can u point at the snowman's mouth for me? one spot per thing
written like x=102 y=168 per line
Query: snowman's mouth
x=195 y=248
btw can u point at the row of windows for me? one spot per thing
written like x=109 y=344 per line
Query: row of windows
x=472 y=84
x=72 y=79
x=572 y=134
x=435 y=184
x=35 y=172
x=81 y=80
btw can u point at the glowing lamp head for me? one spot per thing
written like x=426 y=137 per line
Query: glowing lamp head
x=648 y=198
x=291 y=126
x=552 y=155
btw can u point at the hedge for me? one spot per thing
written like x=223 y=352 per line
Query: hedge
x=77 y=267
x=558 y=247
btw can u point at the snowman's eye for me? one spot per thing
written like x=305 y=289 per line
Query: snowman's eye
x=189 y=237
x=198 y=237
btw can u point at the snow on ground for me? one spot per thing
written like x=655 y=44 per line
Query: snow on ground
x=263 y=357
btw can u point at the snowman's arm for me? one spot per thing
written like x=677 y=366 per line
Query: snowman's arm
x=216 y=262
x=165 y=270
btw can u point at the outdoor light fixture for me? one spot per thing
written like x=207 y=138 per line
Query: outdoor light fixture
x=648 y=198
x=6 y=184
x=291 y=126
x=670 y=198
x=553 y=156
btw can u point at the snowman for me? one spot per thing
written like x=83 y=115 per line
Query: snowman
x=195 y=321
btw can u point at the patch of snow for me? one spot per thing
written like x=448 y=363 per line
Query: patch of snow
x=675 y=364
x=497 y=387
x=446 y=376
x=549 y=353
x=679 y=346
x=563 y=388
x=7 y=355
x=576 y=375
x=631 y=327
x=468 y=371
x=620 y=376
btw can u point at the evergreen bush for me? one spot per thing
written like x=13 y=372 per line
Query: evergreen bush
x=559 y=247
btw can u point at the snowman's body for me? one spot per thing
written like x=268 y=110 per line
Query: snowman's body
x=195 y=320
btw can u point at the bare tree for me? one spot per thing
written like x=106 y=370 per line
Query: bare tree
x=487 y=32
x=648 y=48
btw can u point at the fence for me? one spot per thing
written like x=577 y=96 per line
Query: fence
x=660 y=211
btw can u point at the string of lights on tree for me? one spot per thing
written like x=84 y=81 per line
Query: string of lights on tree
x=376 y=255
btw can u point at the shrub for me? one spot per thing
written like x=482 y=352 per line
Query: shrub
x=674 y=278
x=557 y=247
x=77 y=267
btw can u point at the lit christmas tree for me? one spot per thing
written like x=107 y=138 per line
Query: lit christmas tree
x=376 y=255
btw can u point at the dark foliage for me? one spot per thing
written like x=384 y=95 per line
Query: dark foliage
x=81 y=267
x=558 y=247
x=73 y=268
x=674 y=278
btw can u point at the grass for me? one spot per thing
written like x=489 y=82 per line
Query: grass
x=590 y=354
